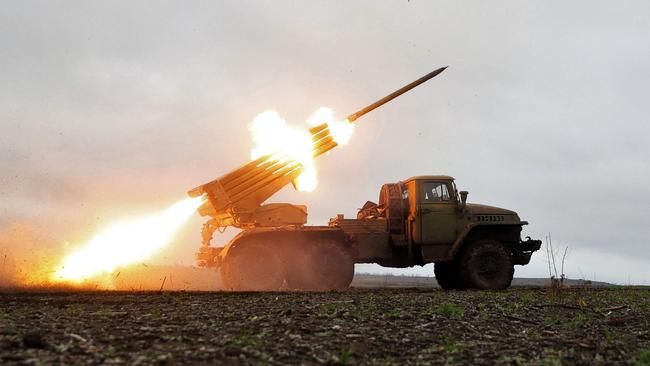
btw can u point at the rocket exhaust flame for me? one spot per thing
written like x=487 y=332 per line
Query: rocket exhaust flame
x=282 y=142
x=126 y=242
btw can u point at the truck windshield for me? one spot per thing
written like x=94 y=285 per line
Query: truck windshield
x=435 y=192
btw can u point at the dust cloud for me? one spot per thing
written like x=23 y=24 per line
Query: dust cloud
x=23 y=260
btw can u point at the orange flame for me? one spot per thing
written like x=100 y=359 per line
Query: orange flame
x=126 y=242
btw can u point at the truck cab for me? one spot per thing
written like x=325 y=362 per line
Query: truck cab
x=440 y=216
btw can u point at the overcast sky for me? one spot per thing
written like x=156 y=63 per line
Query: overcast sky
x=110 y=109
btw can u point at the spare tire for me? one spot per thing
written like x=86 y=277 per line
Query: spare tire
x=395 y=207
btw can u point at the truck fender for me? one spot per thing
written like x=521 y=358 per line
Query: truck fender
x=277 y=235
x=240 y=237
x=455 y=247
x=458 y=243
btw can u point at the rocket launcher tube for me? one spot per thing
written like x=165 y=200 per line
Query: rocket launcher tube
x=281 y=170
x=273 y=171
x=285 y=168
x=320 y=136
x=317 y=129
x=264 y=167
x=226 y=179
x=268 y=167
x=273 y=183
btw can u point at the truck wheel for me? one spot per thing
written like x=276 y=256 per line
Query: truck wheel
x=327 y=265
x=252 y=266
x=486 y=265
x=447 y=276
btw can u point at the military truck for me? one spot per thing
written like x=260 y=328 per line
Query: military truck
x=417 y=221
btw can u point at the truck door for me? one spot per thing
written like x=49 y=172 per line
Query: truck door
x=437 y=209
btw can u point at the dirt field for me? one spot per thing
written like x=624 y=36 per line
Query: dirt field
x=379 y=326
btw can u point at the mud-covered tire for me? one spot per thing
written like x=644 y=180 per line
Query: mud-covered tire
x=447 y=276
x=325 y=265
x=253 y=266
x=486 y=265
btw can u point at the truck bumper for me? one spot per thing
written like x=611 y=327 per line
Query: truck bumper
x=522 y=252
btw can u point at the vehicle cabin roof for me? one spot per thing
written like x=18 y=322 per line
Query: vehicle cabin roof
x=429 y=177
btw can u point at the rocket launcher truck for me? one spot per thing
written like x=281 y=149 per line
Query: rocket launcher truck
x=419 y=220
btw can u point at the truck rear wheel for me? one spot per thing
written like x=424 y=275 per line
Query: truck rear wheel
x=447 y=276
x=486 y=265
x=325 y=265
x=253 y=266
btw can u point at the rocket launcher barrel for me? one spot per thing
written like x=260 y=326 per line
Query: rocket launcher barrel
x=247 y=187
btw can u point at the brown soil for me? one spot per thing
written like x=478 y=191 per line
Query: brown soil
x=380 y=326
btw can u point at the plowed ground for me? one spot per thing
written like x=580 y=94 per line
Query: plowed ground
x=379 y=326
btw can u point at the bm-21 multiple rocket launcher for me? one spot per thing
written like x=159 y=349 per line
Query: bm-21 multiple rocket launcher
x=275 y=249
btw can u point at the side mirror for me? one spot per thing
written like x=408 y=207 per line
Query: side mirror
x=463 y=199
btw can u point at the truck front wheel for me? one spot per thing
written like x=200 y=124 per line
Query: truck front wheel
x=486 y=265
x=447 y=276
x=326 y=265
